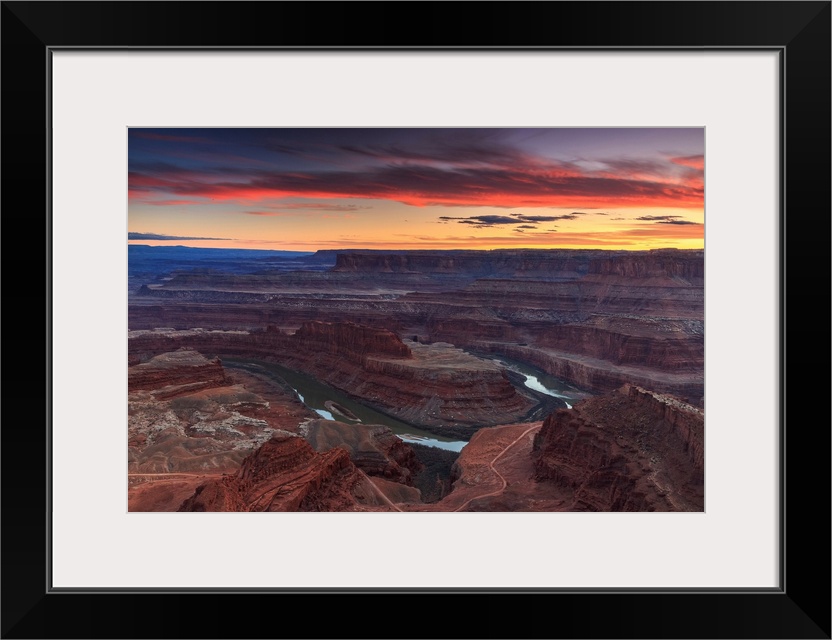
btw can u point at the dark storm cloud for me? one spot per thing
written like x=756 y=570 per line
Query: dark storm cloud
x=544 y=218
x=665 y=220
x=482 y=221
x=493 y=220
x=446 y=146
x=418 y=167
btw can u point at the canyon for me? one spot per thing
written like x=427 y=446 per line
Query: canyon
x=629 y=450
x=425 y=338
x=594 y=318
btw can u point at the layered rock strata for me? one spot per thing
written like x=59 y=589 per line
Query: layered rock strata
x=287 y=474
x=374 y=449
x=597 y=319
x=177 y=373
x=188 y=419
x=630 y=450
x=433 y=385
x=547 y=264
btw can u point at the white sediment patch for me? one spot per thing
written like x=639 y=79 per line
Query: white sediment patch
x=431 y=442
x=326 y=415
x=534 y=383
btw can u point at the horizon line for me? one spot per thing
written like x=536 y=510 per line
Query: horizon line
x=185 y=246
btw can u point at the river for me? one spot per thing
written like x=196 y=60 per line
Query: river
x=544 y=383
x=314 y=394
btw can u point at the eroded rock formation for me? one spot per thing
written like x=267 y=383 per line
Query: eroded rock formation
x=188 y=419
x=413 y=333
x=176 y=373
x=432 y=385
x=630 y=450
x=374 y=449
x=287 y=474
x=598 y=319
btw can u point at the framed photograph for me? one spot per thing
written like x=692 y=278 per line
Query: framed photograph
x=699 y=125
x=461 y=309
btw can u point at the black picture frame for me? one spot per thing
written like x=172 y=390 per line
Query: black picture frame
x=799 y=31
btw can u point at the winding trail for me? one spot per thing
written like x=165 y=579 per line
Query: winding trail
x=499 y=475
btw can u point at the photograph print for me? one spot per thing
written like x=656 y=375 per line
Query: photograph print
x=415 y=319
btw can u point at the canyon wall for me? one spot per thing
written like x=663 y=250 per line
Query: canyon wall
x=186 y=415
x=630 y=450
x=374 y=449
x=180 y=371
x=287 y=474
x=433 y=385
x=507 y=262
x=687 y=265
x=597 y=319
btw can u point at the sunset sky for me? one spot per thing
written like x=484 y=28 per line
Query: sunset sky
x=308 y=189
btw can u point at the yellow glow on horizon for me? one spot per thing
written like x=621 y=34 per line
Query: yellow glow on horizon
x=484 y=244
x=398 y=227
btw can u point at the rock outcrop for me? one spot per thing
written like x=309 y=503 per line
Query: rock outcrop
x=603 y=376
x=197 y=418
x=433 y=385
x=287 y=474
x=188 y=419
x=175 y=373
x=630 y=450
x=374 y=449
x=688 y=266
x=521 y=263
x=417 y=335
x=353 y=342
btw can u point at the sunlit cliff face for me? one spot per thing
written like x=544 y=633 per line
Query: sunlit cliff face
x=307 y=189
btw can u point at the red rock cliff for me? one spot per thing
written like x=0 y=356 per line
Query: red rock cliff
x=438 y=385
x=543 y=263
x=630 y=450
x=427 y=385
x=351 y=341
x=286 y=474
x=665 y=263
x=374 y=449
x=182 y=368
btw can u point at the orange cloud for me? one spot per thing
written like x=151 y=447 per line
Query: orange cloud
x=432 y=186
x=694 y=162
